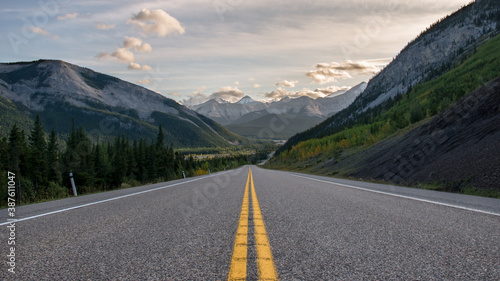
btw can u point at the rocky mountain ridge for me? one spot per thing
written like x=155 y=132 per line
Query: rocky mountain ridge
x=233 y=113
x=434 y=52
x=59 y=91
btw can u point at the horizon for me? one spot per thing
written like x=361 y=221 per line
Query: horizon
x=221 y=49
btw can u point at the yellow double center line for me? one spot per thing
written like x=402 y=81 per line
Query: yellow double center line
x=265 y=263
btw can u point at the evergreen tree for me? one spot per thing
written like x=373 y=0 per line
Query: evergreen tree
x=23 y=153
x=160 y=139
x=17 y=150
x=151 y=163
x=54 y=172
x=141 y=161
x=13 y=150
x=132 y=160
x=37 y=153
x=71 y=157
x=4 y=154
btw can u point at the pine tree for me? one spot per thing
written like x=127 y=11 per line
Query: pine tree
x=37 y=154
x=71 y=157
x=118 y=164
x=13 y=150
x=141 y=161
x=132 y=160
x=4 y=145
x=54 y=172
x=100 y=165
x=160 y=139
x=151 y=163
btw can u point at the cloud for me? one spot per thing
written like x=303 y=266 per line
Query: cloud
x=281 y=92
x=104 y=26
x=41 y=31
x=136 y=44
x=228 y=93
x=333 y=89
x=287 y=84
x=146 y=82
x=331 y=72
x=137 y=66
x=68 y=16
x=197 y=97
x=256 y=86
x=124 y=54
x=157 y=22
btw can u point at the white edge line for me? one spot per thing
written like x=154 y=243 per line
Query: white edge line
x=401 y=196
x=107 y=200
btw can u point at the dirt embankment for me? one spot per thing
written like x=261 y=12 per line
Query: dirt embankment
x=460 y=145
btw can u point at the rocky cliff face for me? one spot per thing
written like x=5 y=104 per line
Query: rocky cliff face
x=458 y=146
x=431 y=54
x=435 y=51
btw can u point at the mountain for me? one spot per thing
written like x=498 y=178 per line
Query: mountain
x=249 y=117
x=247 y=100
x=458 y=146
x=442 y=134
x=434 y=52
x=104 y=105
x=266 y=125
x=224 y=112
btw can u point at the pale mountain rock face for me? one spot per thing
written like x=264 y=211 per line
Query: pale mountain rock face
x=42 y=82
x=58 y=88
x=230 y=113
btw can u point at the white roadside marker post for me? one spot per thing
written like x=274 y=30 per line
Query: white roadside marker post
x=73 y=183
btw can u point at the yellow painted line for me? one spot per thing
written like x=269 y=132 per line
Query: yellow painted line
x=238 y=270
x=265 y=262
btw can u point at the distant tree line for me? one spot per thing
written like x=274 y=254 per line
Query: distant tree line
x=42 y=167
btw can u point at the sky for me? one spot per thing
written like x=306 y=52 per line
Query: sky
x=194 y=50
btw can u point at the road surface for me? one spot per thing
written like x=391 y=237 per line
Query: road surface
x=254 y=223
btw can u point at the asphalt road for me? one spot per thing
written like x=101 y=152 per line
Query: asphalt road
x=316 y=228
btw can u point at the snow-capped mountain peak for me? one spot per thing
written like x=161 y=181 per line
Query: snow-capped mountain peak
x=247 y=100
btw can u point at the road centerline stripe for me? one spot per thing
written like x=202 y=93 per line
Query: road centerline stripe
x=238 y=270
x=265 y=264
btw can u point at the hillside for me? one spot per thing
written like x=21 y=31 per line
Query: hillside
x=434 y=52
x=258 y=125
x=105 y=106
x=375 y=146
x=278 y=119
x=457 y=147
